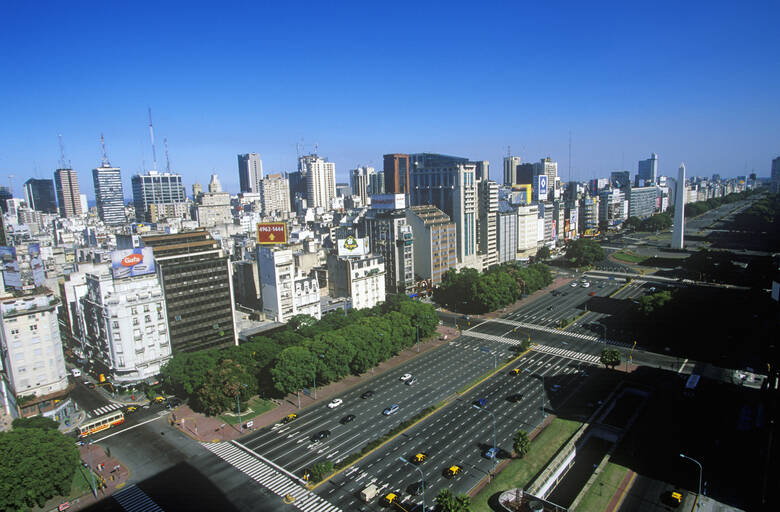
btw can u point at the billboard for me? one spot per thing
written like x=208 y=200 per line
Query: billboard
x=352 y=246
x=132 y=262
x=271 y=233
x=542 y=187
x=388 y=202
x=36 y=264
x=11 y=275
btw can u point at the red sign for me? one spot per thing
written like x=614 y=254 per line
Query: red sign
x=271 y=233
x=132 y=259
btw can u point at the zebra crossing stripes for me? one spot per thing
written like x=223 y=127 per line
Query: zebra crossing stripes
x=105 y=409
x=542 y=328
x=133 y=499
x=270 y=478
x=493 y=337
x=569 y=354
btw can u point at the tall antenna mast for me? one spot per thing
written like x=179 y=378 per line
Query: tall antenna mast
x=569 y=156
x=509 y=151
x=151 y=135
x=106 y=163
x=167 y=160
x=315 y=148
x=62 y=151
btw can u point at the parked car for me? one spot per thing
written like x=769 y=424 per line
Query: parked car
x=391 y=410
x=335 y=403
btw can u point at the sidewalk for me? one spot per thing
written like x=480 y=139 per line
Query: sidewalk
x=110 y=476
x=211 y=429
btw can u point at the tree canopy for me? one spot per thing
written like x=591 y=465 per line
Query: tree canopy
x=448 y=502
x=610 y=357
x=35 y=422
x=584 y=252
x=37 y=464
x=521 y=443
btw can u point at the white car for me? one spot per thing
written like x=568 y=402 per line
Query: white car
x=335 y=403
x=573 y=284
x=585 y=284
x=406 y=376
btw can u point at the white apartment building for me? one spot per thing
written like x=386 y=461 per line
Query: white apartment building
x=275 y=194
x=320 y=181
x=360 y=278
x=126 y=326
x=284 y=293
x=527 y=230
x=31 y=346
x=306 y=297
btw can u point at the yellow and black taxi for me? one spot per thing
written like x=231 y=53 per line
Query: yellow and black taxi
x=289 y=418
x=131 y=409
x=159 y=399
x=514 y=371
x=390 y=498
x=452 y=471
x=419 y=458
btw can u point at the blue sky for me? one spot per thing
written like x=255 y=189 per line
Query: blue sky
x=694 y=83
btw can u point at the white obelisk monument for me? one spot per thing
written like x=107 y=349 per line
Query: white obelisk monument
x=679 y=210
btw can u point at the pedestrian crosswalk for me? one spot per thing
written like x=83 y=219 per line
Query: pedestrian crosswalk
x=133 y=499
x=273 y=479
x=357 y=475
x=569 y=354
x=105 y=409
x=551 y=330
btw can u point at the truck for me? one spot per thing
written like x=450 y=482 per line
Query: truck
x=369 y=493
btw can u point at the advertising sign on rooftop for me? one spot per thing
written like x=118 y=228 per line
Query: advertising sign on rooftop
x=11 y=275
x=271 y=233
x=388 y=202
x=542 y=187
x=352 y=246
x=132 y=262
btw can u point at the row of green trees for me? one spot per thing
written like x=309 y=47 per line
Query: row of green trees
x=37 y=464
x=699 y=207
x=584 y=252
x=655 y=223
x=290 y=359
x=468 y=291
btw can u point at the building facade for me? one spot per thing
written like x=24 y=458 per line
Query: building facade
x=198 y=290
x=648 y=170
x=360 y=278
x=359 y=180
x=642 y=201
x=66 y=182
x=392 y=238
x=286 y=294
x=275 y=194
x=435 y=250
x=320 y=178
x=506 y=232
x=396 y=170
x=486 y=222
x=109 y=195
x=40 y=195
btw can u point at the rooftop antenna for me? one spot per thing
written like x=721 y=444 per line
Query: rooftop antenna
x=509 y=151
x=62 y=151
x=167 y=160
x=106 y=163
x=315 y=148
x=569 y=156
x=151 y=136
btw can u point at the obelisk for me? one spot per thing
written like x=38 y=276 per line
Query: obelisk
x=678 y=234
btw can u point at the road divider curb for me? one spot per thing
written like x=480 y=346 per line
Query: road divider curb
x=433 y=411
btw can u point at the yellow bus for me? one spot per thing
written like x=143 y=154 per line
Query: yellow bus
x=101 y=423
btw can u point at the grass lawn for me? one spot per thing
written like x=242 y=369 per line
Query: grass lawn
x=255 y=407
x=628 y=257
x=519 y=472
x=603 y=488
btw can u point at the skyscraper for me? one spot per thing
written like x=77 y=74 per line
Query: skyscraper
x=648 y=169
x=250 y=172
x=510 y=170
x=109 y=195
x=40 y=196
x=775 y=177
x=359 y=180
x=67 y=183
x=678 y=233
x=154 y=187
x=275 y=194
x=548 y=167
x=621 y=179
x=396 y=169
x=320 y=180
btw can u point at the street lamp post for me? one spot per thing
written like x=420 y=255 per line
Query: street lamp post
x=495 y=455
x=422 y=479
x=313 y=360
x=418 y=339
x=700 y=472
x=238 y=403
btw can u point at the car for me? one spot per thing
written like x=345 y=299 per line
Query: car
x=549 y=308
x=390 y=498
x=585 y=284
x=173 y=403
x=515 y=398
x=419 y=458
x=592 y=294
x=367 y=394
x=452 y=471
x=405 y=377
x=601 y=285
x=573 y=284
x=131 y=409
x=415 y=489
x=491 y=453
x=556 y=387
x=412 y=381
x=159 y=399
x=289 y=418
x=391 y=410
x=320 y=436
x=335 y=403
x=347 y=419
x=480 y=402
x=514 y=371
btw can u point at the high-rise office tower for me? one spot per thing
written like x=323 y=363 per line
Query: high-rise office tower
x=109 y=195
x=376 y=183
x=197 y=190
x=396 y=169
x=548 y=167
x=320 y=180
x=5 y=195
x=775 y=177
x=510 y=170
x=621 y=179
x=198 y=290
x=648 y=169
x=359 y=180
x=449 y=183
x=487 y=223
x=678 y=233
x=275 y=194
x=250 y=172
x=40 y=195
x=155 y=187
x=68 y=196
x=392 y=238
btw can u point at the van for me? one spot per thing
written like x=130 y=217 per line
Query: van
x=75 y=372
x=369 y=493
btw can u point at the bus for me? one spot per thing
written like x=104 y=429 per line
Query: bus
x=691 y=383
x=101 y=423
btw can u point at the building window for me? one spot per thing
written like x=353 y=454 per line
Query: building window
x=34 y=327
x=115 y=325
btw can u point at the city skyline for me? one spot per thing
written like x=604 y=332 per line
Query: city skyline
x=681 y=91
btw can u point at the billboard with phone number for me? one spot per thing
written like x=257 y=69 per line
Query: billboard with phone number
x=271 y=233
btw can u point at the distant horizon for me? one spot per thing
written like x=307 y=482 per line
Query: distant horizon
x=694 y=84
